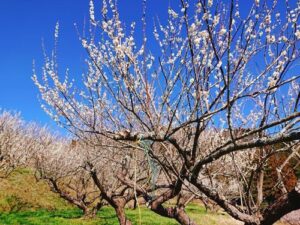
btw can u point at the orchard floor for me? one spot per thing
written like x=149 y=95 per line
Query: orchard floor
x=26 y=201
x=107 y=217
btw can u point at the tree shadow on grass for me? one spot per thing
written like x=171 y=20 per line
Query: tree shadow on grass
x=65 y=214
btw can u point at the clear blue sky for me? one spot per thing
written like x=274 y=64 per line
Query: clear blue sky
x=23 y=25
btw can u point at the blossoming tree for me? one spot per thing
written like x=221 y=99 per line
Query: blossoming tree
x=219 y=70
x=60 y=163
x=16 y=142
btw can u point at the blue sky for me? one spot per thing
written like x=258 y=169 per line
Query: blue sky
x=23 y=26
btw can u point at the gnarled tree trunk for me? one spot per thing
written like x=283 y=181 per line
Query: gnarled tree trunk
x=284 y=205
x=118 y=203
x=178 y=212
x=119 y=206
x=90 y=213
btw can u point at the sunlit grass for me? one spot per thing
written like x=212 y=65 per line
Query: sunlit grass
x=106 y=217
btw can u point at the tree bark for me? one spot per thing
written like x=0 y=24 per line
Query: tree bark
x=90 y=213
x=183 y=218
x=284 y=205
x=231 y=209
x=259 y=186
x=118 y=203
x=177 y=213
x=120 y=211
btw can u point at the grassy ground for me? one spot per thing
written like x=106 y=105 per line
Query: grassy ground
x=21 y=191
x=24 y=201
x=106 y=217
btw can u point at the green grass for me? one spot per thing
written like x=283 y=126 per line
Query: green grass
x=70 y=217
x=22 y=189
x=106 y=217
x=24 y=201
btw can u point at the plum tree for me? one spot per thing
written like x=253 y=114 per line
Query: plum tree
x=220 y=85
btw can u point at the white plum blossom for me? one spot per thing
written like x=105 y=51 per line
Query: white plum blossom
x=56 y=30
x=223 y=31
x=210 y=3
x=271 y=38
x=92 y=12
x=173 y=13
x=297 y=34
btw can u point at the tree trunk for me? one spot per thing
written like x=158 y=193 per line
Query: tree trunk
x=177 y=213
x=120 y=211
x=119 y=206
x=90 y=213
x=260 y=183
x=284 y=205
x=182 y=217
